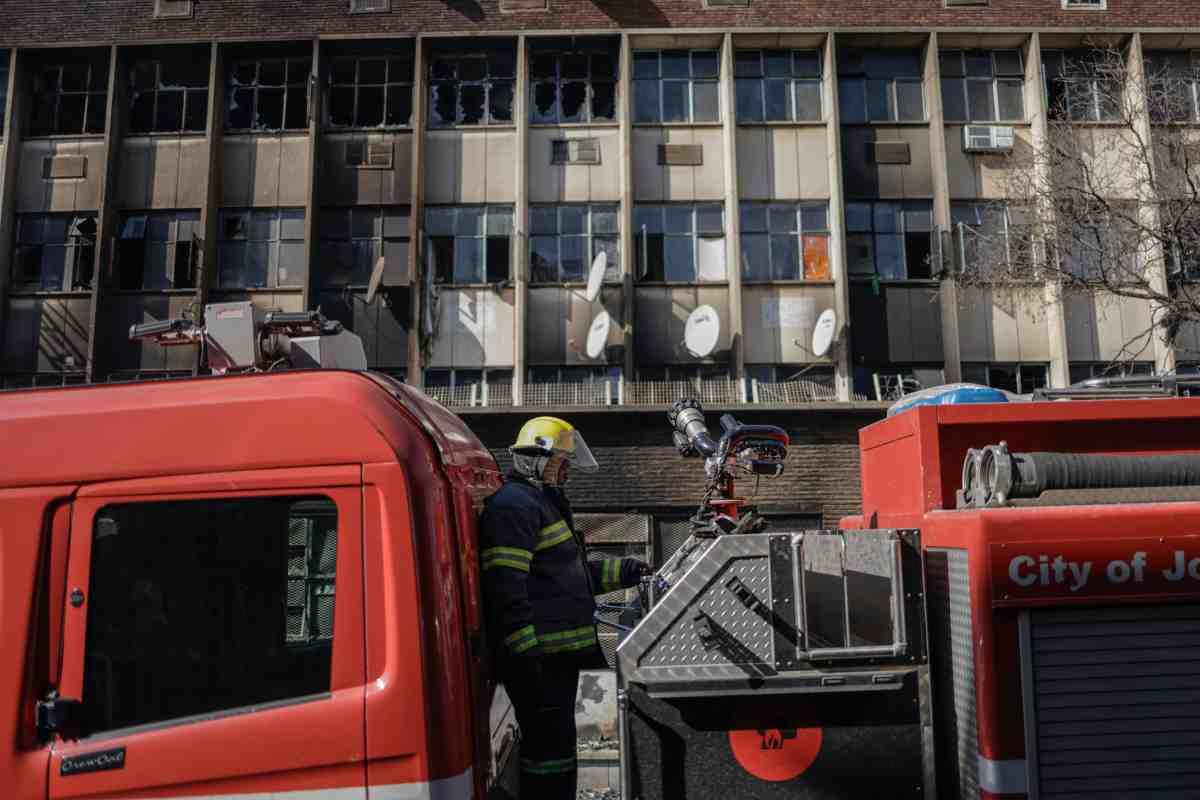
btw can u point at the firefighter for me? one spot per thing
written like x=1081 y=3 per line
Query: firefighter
x=540 y=591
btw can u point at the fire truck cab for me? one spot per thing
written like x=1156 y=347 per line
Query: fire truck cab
x=240 y=587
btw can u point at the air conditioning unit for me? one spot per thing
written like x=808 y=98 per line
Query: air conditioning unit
x=987 y=138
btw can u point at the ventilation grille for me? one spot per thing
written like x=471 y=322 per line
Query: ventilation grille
x=953 y=667
x=681 y=155
x=375 y=155
x=1114 y=693
x=575 y=151
x=173 y=9
x=370 y=6
x=987 y=138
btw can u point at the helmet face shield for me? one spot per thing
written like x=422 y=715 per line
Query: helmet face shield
x=548 y=435
x=578 y=452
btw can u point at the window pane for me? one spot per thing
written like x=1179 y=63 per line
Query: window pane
x=705 y=64
x=950 y=63
x=679 y=219
x=814 y=218
x=545 y=101
x=858 y=217
x=954 y=101
x=1012 y=100
x=782 y=218
x=852 y=100
x=268 y=111
x=778 y=63
x=675 y=101
x=195 y=116
x=439 y=221
x=572 y=219
x=887 y=217
x=269 y=621
x=500 y=101
x=747 y=63
x=1008 y=62
x=53 y=267
x=645 y=101
x=648 y=217
x=604 y=219
x=860 y=254
x=879 y=100
x=756 y=258
x=979 y=98
x=889 y=256
x=785 y=258
x=749 y=100
x=543 y=220
x=470 y=104
x=807 y=64
x=816 y=258
x=918 y=217
x=779 y=100
x=543 y=259
x=707 y=104
x=645 y=64
x=680 y=260
x=918 y=256
x=572 y=253
x=499 y=220
x=396 y=222
x=612 y=249
x=258 y=263
x=808 y=100
x=469 y=221
x=979 y=63
x=170 y=112
x=711 y=252
x=603 y=65
x=444 y=103
x=710 y=219
x=468 y=260
x=676 y=64
x=910 y=99
x=1032 y=377
x=499 y=249
x=753 y=217
x=604 y=101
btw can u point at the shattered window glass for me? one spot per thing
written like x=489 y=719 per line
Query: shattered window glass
x=69 y=98
x=573 y=80
x=168 y=96
x=158 y=251
x=54 y=252
x=371 y=92
x=469 y=244
x=471 y=87
x=269 y=94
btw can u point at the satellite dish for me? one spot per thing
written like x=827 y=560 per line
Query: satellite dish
x=597 y=338
x=596 y=276
x=701 y=332
x=376 y=279
x=824 y=332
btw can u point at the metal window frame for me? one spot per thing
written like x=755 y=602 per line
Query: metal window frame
x=589 y=236
x=348 y=211
x=589 y=116
x=799 y=233
x=285 y=86
x=902 y=233
x=994 y=79
x=71 y=266
x=793 y=81
x=172 y=242
x=358 y=85
x=58 y=93
x=186 y=91
x=245 y=241
x=695 y=234
x=486 y=82
x=691 y=80
x=484 y=236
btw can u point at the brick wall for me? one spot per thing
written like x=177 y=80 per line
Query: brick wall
x=129 y=21
x=640 y=470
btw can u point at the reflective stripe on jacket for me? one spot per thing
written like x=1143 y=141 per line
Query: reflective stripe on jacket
x=538 y=586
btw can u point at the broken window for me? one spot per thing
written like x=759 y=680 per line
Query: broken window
x=778 y=85
x=471 y=87
x=1172 y=85
x=168 y=96
x=261 y=248
x=70 y=98
x=680 y=243
x=158 y=250
x=371 y=91
x=880 y=86
x=469 y=244
x=890 y=241
x=54 y=252
x=354 y=239
x=269 y=94
x=563 y=241
x=982 y=85
x=675 y=86
x=573 y=80
x=784 y=241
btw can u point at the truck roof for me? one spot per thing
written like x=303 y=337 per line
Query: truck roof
x=218 y=424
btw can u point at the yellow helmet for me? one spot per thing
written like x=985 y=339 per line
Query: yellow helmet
x=549 y=435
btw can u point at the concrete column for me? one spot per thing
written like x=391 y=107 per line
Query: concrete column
x=737 y=345
x=629 y=253
x=13 y=119
x=416 y=245
x=214 y=133
x=311 y=208
x=520 y=256
x=837 y=220
x=1148 y=215
x=951 y=349
x=1035 y=102
x=107 y=222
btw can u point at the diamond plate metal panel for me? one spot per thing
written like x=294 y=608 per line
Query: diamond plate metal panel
x=953 y=664
x=681 y=646
x=599 y=529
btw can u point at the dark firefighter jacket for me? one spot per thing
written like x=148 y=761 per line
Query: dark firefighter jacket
x=537 y=582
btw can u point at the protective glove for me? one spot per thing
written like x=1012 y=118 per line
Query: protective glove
x=633 y=570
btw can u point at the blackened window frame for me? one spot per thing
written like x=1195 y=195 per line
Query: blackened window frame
x=192 y=93
x=397 y=84
x=385 y=229
x=49 y=100
x=648 y=254
x=294 y=88
x=495 y=243
x=228 y=228
x=183 y=239
x=902 y=233
x=497 y=82
x=79 y=235
x=772 y=232
x=593 y=240
x=592 y=51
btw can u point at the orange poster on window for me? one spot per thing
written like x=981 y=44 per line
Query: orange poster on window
x=816 y=258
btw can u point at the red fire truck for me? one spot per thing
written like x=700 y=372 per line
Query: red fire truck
x=267 y=585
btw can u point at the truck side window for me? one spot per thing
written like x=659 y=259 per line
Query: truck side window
x=201 y=606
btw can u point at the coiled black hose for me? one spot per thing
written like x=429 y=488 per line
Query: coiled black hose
x=1034 y=473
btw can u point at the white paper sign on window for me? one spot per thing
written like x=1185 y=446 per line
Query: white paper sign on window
x=711 y=257
x=789 y=312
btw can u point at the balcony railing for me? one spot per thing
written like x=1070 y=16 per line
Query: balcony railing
x=597 y=393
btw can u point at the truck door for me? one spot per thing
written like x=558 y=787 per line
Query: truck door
x=213 y=635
